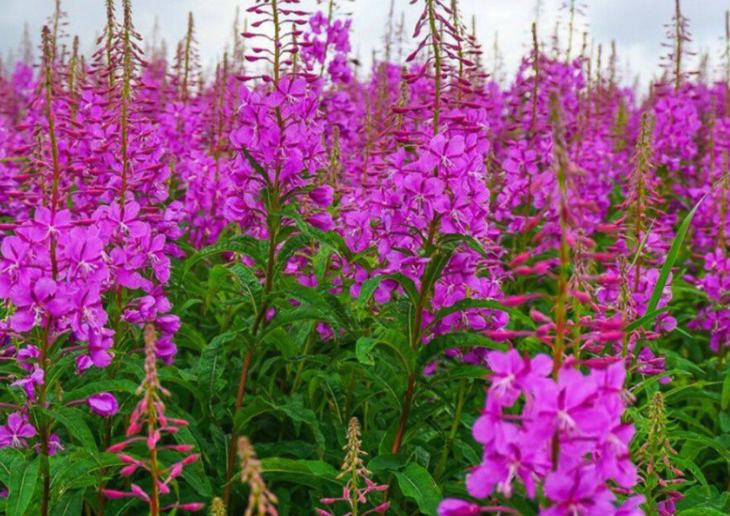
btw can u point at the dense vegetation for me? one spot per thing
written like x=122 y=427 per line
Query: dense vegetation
x=292 y=286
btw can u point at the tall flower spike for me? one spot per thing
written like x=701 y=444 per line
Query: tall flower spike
x=287 y=26
x=190 y=59
x=655 y=455
x=261 y=501
x=358 y=486
x=148 y=427
x=218 y=507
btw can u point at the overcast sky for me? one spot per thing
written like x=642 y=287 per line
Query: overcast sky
x=637 y=26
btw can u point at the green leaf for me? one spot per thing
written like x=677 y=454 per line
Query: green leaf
x=363 y=349
x=10 y=458
x=700 y=511
x=293 y=408
x=242 y=244
x=455 y=340
x=69 y=504
x=21 y=486
x=311 y=473
x=256 y=166
x=210 y=365
x=248 y=281
x=725 y=400
x=290 y=248
x=194 y=474
x=289 y=316
x=467 y=304
x=72 y=419
x=387 y=462
x=369 y=286
x=645 y=319
x=296 y=411
x=435 y=267
x=218 y=278
x=331 y=311
x=78 y=469
x=642 y=244
x=702 y=439
x=390 y=338
x=673 y=254
x=328 y=239
x=92 y=388
x=367 y=289
x=416 y=482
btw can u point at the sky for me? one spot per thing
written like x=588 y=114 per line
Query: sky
x=637 y=26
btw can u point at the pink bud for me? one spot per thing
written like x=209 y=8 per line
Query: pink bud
x=138 y=492
x=191 y=507
x=128 y=470
x=114 y=495
x=189 y=460
x=322 y=196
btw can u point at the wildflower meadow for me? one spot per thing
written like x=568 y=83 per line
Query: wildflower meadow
x=304 y=283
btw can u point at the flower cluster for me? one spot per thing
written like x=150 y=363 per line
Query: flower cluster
x=565 y=434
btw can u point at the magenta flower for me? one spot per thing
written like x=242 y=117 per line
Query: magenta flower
x=322 y=196
x=569 y=407
x=103 y=404
x=35 y=303
x=445 y=153
x=15 y=432
x=513 y=374
x=578 y=494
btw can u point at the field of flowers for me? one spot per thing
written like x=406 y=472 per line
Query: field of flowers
x=293 y=286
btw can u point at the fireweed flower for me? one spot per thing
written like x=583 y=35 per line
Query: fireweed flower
x=15 y=432
x=106 y=162
x=103 y=404
x=527 y=412
x=261 y=501
x=148 y=428
x=358 y=486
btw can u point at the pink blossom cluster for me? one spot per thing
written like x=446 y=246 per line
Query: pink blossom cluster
x=565 y=434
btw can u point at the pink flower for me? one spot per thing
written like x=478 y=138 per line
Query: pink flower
x=103 y=404
x=578 y=494
x=16 y=432
x=322 y=196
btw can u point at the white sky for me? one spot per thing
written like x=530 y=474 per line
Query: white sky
x=637 y=26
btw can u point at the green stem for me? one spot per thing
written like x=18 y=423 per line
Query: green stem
x=437 y=66
x=461 y=398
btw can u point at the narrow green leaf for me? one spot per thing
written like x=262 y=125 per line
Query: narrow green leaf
x=644 y=320
x=642 y=244
x=725 y=400
x=701 y=511
x=331 y=311
x=242 y=244
x=22 y=485
x=10 y=458
x=371 y=284
x=304 y=472
x=69 y=504
x=210 y=365
x=248 y=281
x=89 y=389
x=467 y=304
x=392 y=339
x=673 y=254
x=72 y=419
x=256 y=166
x=455 y=340
x=367 y=289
